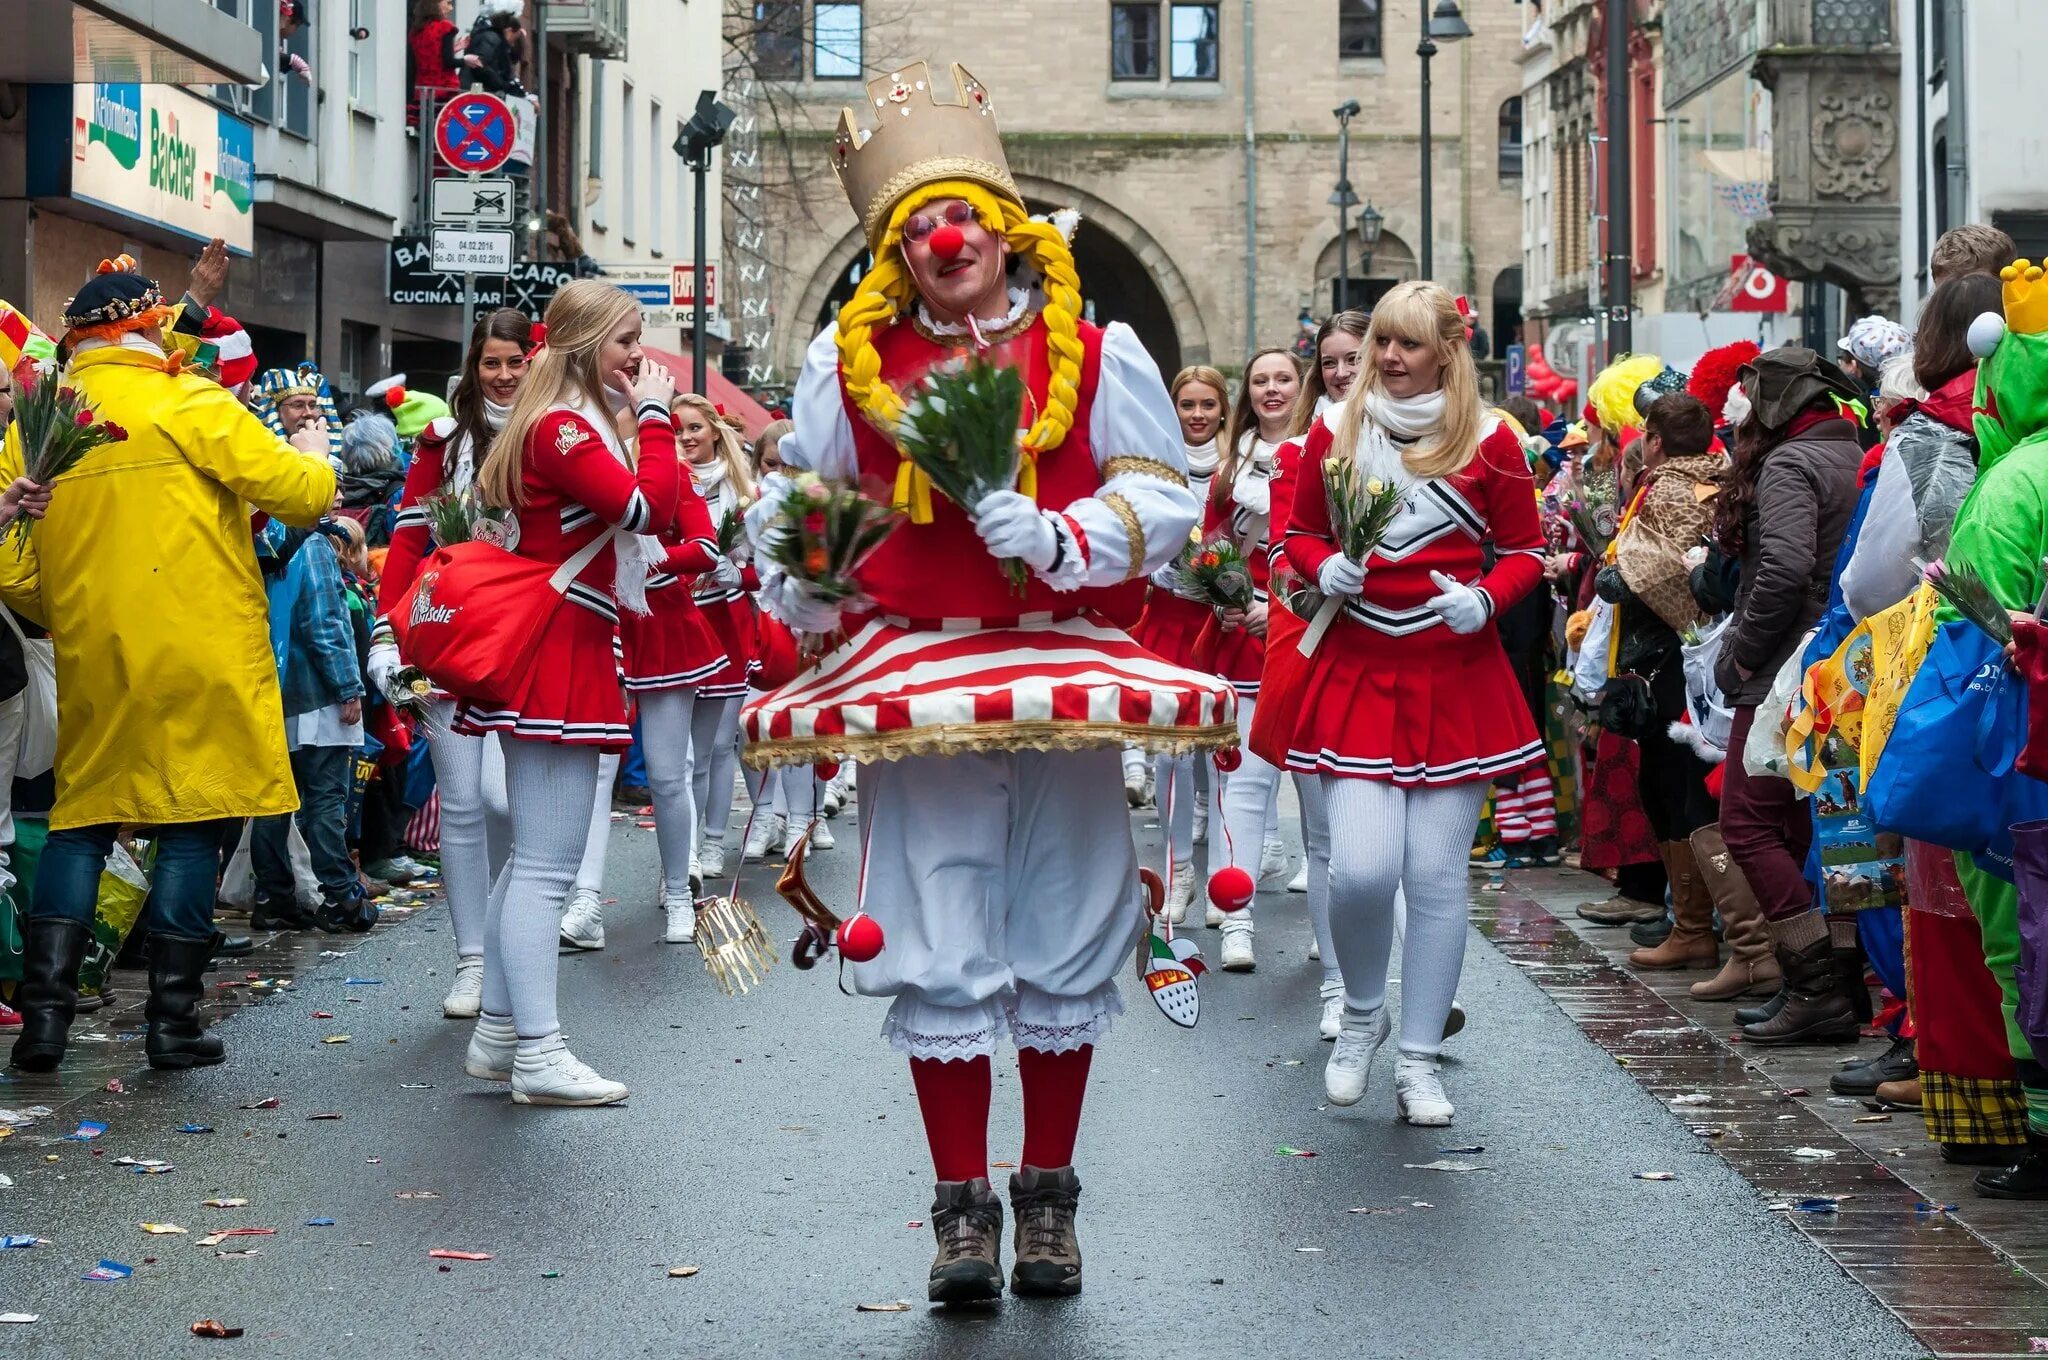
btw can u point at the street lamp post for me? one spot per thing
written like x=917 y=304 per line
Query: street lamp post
x=695 y=143
x=1370 y=224
x=1445 y=24
x=1344 y=199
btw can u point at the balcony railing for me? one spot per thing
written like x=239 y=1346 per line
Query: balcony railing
x=591 y=28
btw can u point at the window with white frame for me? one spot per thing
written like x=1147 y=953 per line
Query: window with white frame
x=362 y=55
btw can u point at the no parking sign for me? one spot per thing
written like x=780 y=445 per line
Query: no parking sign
x=474 y=132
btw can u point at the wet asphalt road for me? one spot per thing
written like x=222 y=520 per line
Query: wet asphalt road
x=772 y=1141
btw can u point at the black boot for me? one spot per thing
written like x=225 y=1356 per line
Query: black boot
x=1815 y=1011
x=1894 y=1064
x=177 y=1036
x=354 y=914
x=1756 y=1015
x=1849 y=969
x=282 y=913
x=2028 y=1179
x=52 y=949
x=1982 y=1154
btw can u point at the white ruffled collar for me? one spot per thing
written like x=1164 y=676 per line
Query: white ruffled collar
x=1020 y=303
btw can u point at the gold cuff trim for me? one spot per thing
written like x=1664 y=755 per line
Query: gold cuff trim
x=973 y=738
x=1134 y=531
x=1127 y=465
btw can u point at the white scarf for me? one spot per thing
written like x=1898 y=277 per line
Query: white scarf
x=1202 y=459
x=462 y=469
x=1388 y=420
x=637 y=554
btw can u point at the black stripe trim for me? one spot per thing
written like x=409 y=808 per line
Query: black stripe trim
x=638 y=514
x=677 y=679
x=1457 y=771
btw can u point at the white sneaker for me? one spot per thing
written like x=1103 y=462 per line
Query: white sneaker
x=1418 y=1095
x=1201 y=818
x=1273 y=862
x=583 y=922
x=465 y=1000
x=710 y=861
x=1315 y=949
x=1136 y=778
x=1359 y=1036
x=491 y=1047
x=1237 y=946
x=834 y=799
x=1455 y=1021
x=1333 y=1011
x=1299 y=883
x=555 y=1076
x=1214 y=916
x=768 y=836
x=821 y=836
x=1180 y=894
x=682 y=919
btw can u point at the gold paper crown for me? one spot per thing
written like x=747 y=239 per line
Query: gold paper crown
x=917 y=138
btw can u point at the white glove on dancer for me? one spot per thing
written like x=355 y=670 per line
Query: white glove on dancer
x=798 y=604
x=1462 y=607
x=1012 y=525
x=1339 y=575
x=384 y=662
x=726 y=572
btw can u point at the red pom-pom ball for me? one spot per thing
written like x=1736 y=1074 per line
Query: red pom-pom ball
x=947 y=241
x=860 y=938
x=1231 y=888
x=1229 y=758
x=827 y=770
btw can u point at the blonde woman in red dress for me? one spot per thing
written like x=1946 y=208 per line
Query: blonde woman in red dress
x=560 y=465
x=1409 y=708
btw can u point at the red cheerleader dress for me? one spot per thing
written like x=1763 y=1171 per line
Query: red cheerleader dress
x=577 y=483
x=673 y=645
x=1286 y=671
x=1392 y=693
x=1238 y=655
x=729 y=610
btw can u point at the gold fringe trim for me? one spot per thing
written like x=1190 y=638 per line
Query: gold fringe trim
x=979 y=738
x=1126 y=465
x=1134 y=532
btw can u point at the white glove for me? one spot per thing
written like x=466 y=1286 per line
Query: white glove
x=1012 y=525
x=1339 y=575
x=797 y=604
x=726 y=572
x=1460 y=606
x=384 y=663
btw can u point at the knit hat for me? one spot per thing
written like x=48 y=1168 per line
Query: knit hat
x=411 y=411
x=1874 y=339
x=237 y=353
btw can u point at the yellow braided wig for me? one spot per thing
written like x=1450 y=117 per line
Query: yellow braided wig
x=886 y=291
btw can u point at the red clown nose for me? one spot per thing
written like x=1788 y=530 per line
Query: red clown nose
x=946 y=241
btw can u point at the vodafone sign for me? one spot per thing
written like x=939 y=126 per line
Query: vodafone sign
x=1757 y=289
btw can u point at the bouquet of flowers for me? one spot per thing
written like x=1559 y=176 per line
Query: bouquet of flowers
x=822 y=533
x=1361 y=507
x=58 y=428
x=960 y=430
x=1216 y=574
x=463 y=517
x=1963 y=590
x=732 y=527
x=412 y=693
x=1596 y=524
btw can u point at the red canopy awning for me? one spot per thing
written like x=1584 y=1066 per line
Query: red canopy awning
x=723 y=393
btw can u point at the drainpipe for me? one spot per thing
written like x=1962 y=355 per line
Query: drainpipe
x=1958 y=113
x=1251 y=194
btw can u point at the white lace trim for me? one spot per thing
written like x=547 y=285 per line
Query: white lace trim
x=1054 y=1024
x=1020 y=302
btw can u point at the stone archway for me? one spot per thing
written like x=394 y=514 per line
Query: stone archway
x=1392 y=262
x=1125 y=276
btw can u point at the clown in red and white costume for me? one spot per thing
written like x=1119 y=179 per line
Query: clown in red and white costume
x=997 y=849
x=1408 y=706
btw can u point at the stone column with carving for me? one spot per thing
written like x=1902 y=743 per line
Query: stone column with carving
x=1832 y=67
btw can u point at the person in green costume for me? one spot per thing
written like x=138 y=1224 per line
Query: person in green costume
x=2001 y=532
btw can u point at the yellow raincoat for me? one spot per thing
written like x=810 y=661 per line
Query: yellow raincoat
x=145 y=574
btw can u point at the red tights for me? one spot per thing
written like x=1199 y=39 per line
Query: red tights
x=954 y=1099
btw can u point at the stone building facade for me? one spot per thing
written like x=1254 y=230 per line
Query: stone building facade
x=1155 y=139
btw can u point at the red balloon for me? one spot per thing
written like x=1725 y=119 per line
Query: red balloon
x=1229 y=758
x=860 y=938
x=1231 y=888
x=946 y=241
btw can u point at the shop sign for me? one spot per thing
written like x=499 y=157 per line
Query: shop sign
x=153 y=153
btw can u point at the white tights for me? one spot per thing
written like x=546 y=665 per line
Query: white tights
x=597 y=840
x=665 y=717
x=476 y=830
x=715 y=753
x=1250 y=805
x=1315 y=850
x=541 y=779
x=1175 y=779
x=1386 y=839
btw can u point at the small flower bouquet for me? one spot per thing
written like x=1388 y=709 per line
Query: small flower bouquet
x=410 y=692
x=1216 y=574
x=463 y=517
x=822 y=533
x=1361 y=507
x=58 y=428
x=732 y=529
x=1963 y=590
x=960 y=430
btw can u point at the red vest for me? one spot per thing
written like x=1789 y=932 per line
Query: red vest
x=942 y=570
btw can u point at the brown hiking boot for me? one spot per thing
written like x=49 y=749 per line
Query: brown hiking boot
x=1048 y=1253
x=1620 y=911
x=1815 y=1011
x=967 y=1218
